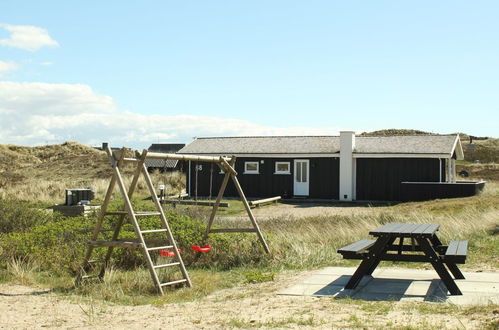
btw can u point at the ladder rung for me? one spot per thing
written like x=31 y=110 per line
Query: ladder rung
x=160 y=248
x=167 y=265
x=133 y=245
x=116 y=213
x=89 y=276
x=137 y=214
x=233 y=230
x=173 y=282
x=96 y=261
x=153 y=231
x=147 y=214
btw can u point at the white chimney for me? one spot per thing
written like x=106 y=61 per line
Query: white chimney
x=347 y=146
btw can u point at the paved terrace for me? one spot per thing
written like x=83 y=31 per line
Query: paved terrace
x=399 y=284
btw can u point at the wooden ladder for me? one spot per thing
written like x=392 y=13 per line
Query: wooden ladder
x=132 y=217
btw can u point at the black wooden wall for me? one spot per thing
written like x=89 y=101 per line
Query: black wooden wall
x=380 y=178
x=324 y=179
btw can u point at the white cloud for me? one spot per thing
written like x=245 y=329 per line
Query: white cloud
x=36 y=113
x=51 y=99
x=7 y=66
x=27 y=37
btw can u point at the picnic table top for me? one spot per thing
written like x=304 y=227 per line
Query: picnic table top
x=406 y=230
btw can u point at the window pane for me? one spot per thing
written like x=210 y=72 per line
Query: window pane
x=283 y=167
x=304 y=173
x=251 y=167
x=298 y=172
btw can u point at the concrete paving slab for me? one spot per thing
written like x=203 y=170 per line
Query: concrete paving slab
x=399 y=284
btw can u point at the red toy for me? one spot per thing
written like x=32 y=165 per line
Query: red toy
x=166 y=253
x=203 y=249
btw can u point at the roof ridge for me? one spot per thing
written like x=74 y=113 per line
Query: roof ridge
x=398 y=135
x=262 y=136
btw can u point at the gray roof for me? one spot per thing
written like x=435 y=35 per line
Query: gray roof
x=161 y=163
x=169 y=148
x=401 y=144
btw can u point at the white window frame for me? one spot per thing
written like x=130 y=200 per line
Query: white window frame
x=282 y=172
x=257 y=171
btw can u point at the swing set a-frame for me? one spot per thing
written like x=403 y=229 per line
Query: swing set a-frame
x=118 y=159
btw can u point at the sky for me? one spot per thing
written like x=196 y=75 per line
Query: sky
x=133 y=73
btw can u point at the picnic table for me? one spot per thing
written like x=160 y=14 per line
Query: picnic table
x=424 y=246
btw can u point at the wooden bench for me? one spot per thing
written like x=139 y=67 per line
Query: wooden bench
x=456 y=252
x=355 y=250
x=264 y=201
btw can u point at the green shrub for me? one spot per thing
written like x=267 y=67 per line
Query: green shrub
x=18 y=216
x=58 y=243
x=57 y=246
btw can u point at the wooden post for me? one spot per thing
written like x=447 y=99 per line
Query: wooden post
x=121 y=218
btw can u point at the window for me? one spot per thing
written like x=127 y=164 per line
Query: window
x=282 y=168
x=251 y=168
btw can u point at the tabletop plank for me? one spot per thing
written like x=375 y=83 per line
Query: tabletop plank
x=432 y=228
x=406 y=229
x=387 y=228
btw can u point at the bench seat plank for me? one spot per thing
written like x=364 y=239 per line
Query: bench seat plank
x=357 y=247
x=456 y=252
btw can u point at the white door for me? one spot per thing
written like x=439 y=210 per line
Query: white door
x=301 y=181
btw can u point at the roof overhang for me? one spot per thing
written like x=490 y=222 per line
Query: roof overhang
x=304 y=155
x=397 y=155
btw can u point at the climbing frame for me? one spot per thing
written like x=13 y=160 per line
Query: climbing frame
x=128 y=213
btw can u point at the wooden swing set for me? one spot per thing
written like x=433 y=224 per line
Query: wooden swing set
x=226 y=164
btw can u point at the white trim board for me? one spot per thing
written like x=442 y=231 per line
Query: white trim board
x=355 y=155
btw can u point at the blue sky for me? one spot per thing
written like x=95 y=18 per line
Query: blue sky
x=140 y=72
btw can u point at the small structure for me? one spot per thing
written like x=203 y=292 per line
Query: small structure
x=339 y=168
x=77 y=203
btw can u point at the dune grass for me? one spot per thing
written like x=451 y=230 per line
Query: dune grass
x=296 y=244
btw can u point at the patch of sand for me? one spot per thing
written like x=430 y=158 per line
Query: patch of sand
x=303 y=210
x=248 y=305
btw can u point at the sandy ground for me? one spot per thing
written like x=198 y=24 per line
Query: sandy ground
x=249 y=305
x=311 y=210
x=302 y=210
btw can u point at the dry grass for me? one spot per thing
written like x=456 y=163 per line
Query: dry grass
x=41 y=174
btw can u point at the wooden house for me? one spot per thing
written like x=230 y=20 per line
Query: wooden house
x=342 y=168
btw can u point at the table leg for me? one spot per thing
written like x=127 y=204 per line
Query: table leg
x=438 y=265
x=382 y=253
x=452 y=267
x=370 y=262
x=455 y=271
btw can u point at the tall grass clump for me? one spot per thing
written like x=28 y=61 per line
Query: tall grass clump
x=313 y=241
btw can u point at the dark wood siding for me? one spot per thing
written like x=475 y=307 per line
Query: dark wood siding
x=411 y=191
x=380 y=178
x=324 y=179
